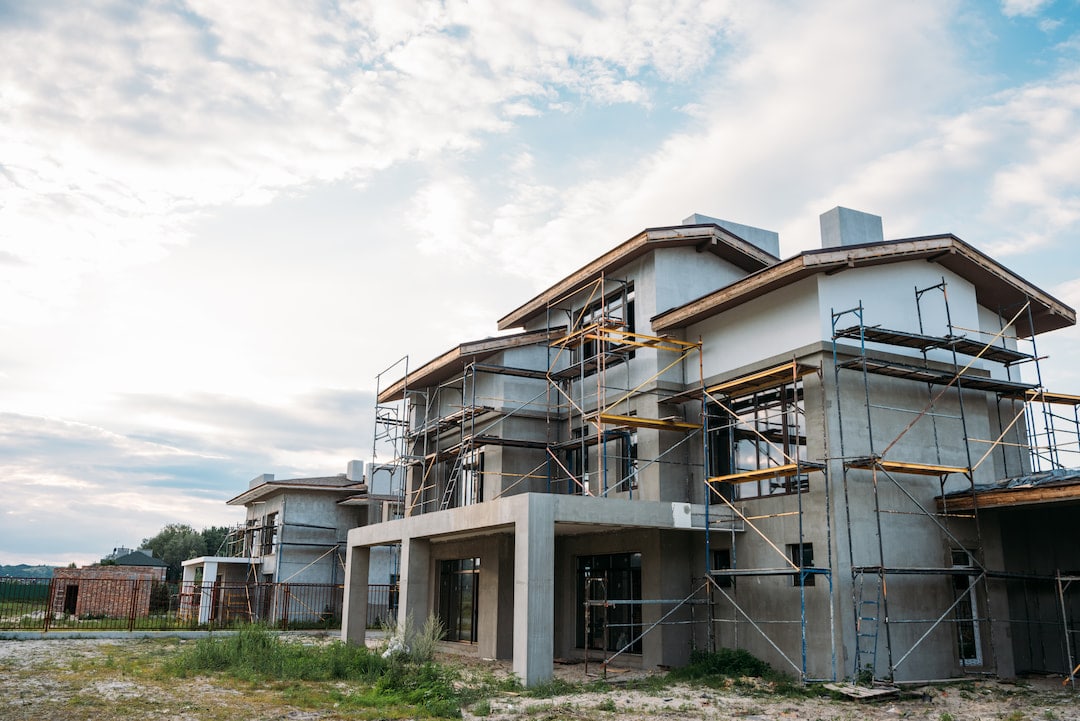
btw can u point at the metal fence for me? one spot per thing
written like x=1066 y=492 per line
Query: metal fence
x=36 y=604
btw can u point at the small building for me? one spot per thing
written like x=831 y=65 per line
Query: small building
x=293 y=535
x=122 y=589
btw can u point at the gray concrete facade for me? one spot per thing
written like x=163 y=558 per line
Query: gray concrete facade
x=538 y=463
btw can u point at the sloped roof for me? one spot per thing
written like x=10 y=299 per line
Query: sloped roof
x=995 y=285
x=1054 y=486
x=710 y=238
x=331 y=484
x=455 y=360
x=136 y=558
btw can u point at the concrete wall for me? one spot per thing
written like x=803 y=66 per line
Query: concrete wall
x=1039 y=541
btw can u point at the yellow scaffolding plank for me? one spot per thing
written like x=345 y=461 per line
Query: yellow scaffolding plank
x=921 y=469
x=614 y=334
x=763 y=380
x=663 y=424
x=1063 y=399
x=785 y=471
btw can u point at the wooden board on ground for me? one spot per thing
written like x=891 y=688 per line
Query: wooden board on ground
x=863 y=693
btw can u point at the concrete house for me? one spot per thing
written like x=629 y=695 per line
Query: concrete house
x=294 y=533
x=832 y=460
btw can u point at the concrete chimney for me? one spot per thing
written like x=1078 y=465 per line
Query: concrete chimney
x=259 y=480
x=844 y=226
x=355 y=472
x=767 y=240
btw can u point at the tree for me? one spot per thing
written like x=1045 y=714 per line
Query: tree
x=175 y=543
x=214 y=536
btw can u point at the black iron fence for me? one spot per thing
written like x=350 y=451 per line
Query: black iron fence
x=36 y=604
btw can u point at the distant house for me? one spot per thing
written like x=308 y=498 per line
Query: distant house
x=294 y=533
x=122 y=589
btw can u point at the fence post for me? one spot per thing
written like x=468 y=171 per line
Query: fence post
x=134 y=603
x=285 y=609
x=49 y=607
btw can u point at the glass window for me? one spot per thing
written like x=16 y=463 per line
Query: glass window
x=967 y=627
x=758 y=431
x=612 y=577
x=802 y=555
x=458 y=592
x=614 y=311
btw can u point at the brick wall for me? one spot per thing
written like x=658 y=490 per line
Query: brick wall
x=104 y=591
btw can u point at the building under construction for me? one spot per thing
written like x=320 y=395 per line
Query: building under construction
x=845 y=462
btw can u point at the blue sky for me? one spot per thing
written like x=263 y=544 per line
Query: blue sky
x=219 y=221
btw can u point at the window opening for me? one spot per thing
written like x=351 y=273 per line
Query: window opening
x=721 y=561
x=458 y=592
x=762 y=430
x=471 y=483
x=967 y=627
x=621 y=573
x=269 y=534
x=616 y=310
x=802 y=555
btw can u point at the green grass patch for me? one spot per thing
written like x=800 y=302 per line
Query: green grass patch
x=398 y=685
x=741 y=671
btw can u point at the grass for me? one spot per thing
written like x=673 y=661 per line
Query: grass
x=742 y=671
x=256 y=655
x=258 y=674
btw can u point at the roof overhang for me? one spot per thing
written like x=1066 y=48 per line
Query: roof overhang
x=705 y=238
x=1058 y=486
x=264 y=490
x=995 y=285
x=455 y=360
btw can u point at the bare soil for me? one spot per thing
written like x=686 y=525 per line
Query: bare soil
x=106 y=679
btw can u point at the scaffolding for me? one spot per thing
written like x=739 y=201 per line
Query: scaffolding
x=756 y=447
x=579 y=421
x=955 y=370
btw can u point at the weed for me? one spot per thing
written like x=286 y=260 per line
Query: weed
x=1015 y=716
x=554 y=687
x=415 y=644
x=257 y=655
x=606 y=705
x=945 y=716
x=482 y=708
x=725 y=662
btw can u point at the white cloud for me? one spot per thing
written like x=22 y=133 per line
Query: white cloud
x=1023 y=8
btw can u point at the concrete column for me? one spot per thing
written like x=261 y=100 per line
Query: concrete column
x=534 y=576
x=206 y=602
x=415 y=569
x=354 y=614
x=496 y=598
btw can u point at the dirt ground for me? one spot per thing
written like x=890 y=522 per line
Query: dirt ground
x=93 y=679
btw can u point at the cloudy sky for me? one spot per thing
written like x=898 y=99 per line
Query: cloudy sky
x=219 y=221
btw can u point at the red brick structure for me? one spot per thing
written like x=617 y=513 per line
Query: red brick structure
x=104 y=591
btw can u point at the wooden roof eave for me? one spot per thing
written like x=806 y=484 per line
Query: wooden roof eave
x=710 y=237
x=1009 y=497
x=456 y=359
x=995 y=285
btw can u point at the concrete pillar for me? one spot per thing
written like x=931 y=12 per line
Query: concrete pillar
x=206 y=599
x=354 y=614
x=496 y=599
x=534 y=576
x=415 y=570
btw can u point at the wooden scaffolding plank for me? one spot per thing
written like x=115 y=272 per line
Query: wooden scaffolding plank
x=921 y=469
x=763 y=380
x=663 y=424
x=785 y=471
x=1063 y=399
